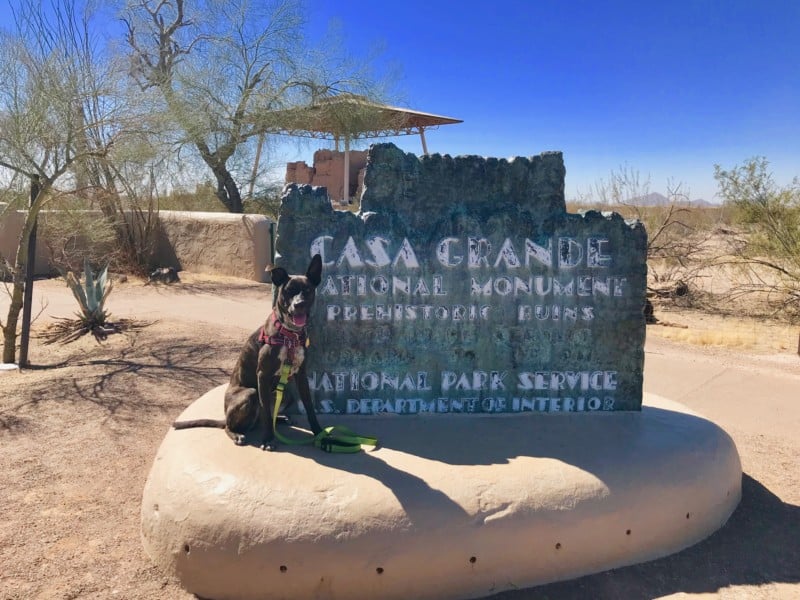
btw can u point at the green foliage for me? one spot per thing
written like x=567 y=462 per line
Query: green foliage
x=91 y=295
x=203 y=199
x=771 y=214
x=770 y=217
x=74 y=234
x=266 y=202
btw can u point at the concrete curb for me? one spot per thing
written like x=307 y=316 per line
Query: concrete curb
x=448 y=507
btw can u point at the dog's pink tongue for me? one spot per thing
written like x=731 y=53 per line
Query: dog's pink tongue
x=299 y=320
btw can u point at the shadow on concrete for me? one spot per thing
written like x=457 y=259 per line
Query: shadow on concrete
x=494 y=440
x=423 y=504
x=760 y=544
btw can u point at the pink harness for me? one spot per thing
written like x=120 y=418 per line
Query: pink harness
x=283 y=336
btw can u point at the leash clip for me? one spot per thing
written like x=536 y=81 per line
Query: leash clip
x=326 y=445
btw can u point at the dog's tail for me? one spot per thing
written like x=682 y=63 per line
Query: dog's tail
x=218 y=423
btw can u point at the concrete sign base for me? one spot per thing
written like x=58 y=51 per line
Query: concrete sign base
x=457 y=508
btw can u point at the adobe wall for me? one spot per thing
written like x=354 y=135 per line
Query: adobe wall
x=212 y=243
x=215 y=243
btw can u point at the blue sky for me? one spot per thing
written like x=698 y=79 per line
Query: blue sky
x=667 y=88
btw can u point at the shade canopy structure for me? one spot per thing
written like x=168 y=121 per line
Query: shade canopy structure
x=347 y=117
x=350 y=116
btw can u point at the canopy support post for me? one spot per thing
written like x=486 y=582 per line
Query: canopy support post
x=346 y=189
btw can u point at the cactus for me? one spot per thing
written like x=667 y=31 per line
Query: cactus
x=91 y=296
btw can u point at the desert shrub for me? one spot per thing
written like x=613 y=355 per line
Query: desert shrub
x=769 y=218
x=135 y=221
x=74 y=235
x=676 y=229
x=769 y=213
x=265 y=202
x=202 y=199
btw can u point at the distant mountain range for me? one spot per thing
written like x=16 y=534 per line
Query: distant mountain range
x=656 y=199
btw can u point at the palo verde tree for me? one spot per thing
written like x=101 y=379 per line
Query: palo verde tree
x=224 y=68
x=51 y=73
x=769 y=214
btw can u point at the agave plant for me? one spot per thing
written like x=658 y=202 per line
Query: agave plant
x=91 y=296
x=93 y=317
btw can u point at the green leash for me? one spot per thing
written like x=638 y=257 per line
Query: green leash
x=338 y=439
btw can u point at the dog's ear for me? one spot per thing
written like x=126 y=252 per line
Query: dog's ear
x=278 y=276
x=314 y=273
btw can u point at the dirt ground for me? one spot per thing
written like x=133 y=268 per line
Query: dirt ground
x=79 y=431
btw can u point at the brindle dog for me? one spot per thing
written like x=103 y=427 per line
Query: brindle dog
x=250 y=397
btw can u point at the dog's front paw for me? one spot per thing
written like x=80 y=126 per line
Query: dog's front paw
x=238 y=439
x=269 y=446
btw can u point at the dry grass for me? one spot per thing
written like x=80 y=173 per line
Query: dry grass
x=743 y=333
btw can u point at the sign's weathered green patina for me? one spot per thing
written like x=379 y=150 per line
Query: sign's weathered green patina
x=464 y=286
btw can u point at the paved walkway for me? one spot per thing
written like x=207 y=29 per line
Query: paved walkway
x=752 y=394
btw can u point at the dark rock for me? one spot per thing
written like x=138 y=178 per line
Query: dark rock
x=463 y=285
